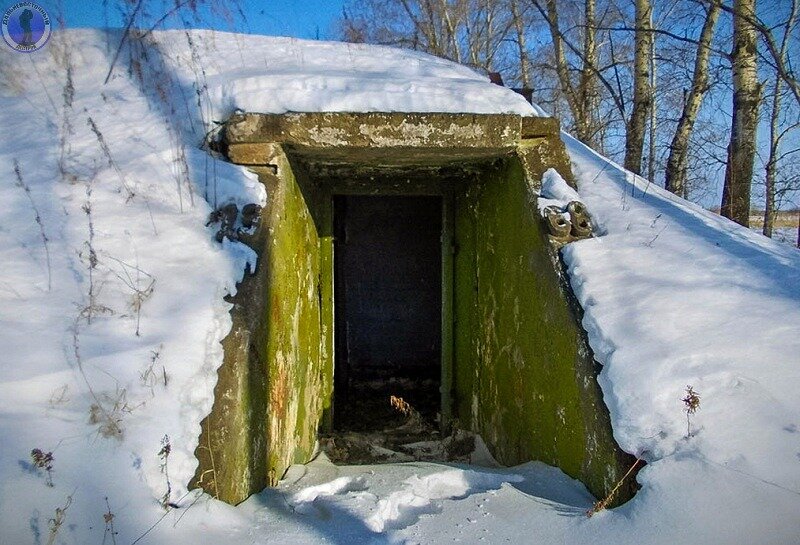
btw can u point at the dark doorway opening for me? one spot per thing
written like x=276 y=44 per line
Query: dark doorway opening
x=388 y=310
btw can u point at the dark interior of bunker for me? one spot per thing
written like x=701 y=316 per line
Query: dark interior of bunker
x=388 y=292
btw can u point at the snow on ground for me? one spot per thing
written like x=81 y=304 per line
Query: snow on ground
x=115 y=178
x=787 y=235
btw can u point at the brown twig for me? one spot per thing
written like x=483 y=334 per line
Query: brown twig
x=602 y=504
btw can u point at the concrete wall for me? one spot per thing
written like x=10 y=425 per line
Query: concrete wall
x=272 y=386
x=524 y=376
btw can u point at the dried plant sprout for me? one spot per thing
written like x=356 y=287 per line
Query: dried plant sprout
x=149 y=377
x=401 y=405
x=89 y=254
x=107 y=412
x=59 y=396
x=691 y=403
x=138 y=281
x=43 y=460
x=108 y=519
x=163 y=455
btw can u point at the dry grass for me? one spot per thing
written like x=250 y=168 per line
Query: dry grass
x=783 y=219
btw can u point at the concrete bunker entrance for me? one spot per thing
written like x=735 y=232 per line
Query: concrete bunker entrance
x=388 y=309
x=515 y=365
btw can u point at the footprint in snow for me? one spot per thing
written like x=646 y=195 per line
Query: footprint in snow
x=420 y=496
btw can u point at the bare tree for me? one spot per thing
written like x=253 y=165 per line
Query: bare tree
x=519 y=28
x=587 y=87
x=472 y=32
x=582 y=97
x=776 y=133
x=642 y=92
x=651 y=159
x=746 y=100
x=675 y=174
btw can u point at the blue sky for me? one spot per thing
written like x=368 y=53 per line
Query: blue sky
x=297 y=18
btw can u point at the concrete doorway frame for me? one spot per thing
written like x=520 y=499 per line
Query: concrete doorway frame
x=522 y=370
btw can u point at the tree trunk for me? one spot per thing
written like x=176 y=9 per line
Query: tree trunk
x=651 y=159
x=452 y=30
x=675 y=175
x=524 y=64
x=772 y=163
x=562 y=70
x=746 y=98
x=775 y=133
x=587 y=91
x=489 y=32
x=642 y=93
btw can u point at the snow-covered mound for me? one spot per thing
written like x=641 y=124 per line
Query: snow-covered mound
x=112 y=310
x=286 y=75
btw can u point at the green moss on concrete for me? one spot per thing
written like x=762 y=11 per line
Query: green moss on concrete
x=292 y=338
x=524 y=376
x=269 y=397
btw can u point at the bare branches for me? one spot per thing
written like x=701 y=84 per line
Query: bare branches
x=122 y=40
x=618 y=101
x=675 y=174
x=672 y=35
x=138 y=281
x=778 y=61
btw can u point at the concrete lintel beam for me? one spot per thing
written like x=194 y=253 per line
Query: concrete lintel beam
x=377 y=130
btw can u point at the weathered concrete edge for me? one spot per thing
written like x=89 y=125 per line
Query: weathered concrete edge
x=255 y=139
x=386 y=129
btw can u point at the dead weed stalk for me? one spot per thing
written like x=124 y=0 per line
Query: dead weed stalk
x=57 y=521
x=38 y=218
x=603 y=504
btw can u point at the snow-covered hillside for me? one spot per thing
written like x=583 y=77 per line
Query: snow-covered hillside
x=112 y=310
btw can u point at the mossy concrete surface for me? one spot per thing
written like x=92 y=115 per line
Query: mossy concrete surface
x=268 y=399
x=521 y=373
x=524 y=375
